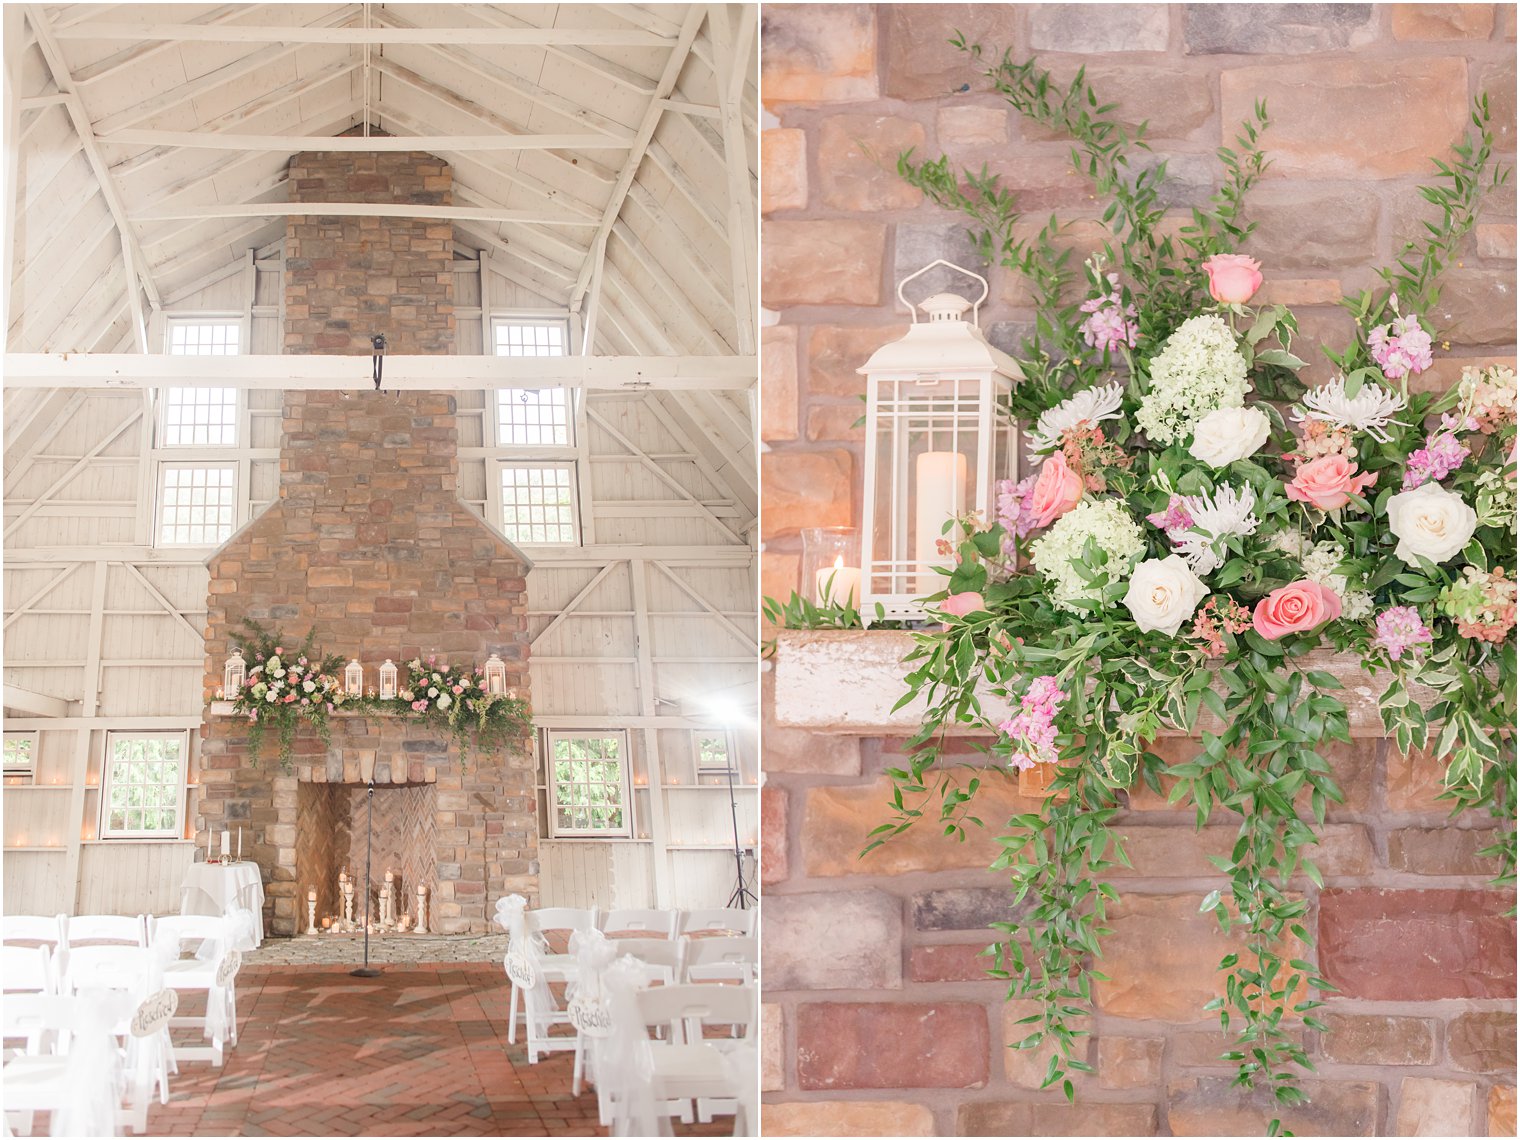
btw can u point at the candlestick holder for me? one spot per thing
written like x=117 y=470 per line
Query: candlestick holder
x=311 y=914
x=831 y=565
x=422 y=902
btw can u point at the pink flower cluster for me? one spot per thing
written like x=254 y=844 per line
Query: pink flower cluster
x=1401 y=347
x=1400 y=630
x=1174 y=520
x=1033 y=728
x=1442 y=454
x=1015 y=509
x=1110 y=323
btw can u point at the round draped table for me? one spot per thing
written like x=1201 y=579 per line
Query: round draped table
x=213 y=888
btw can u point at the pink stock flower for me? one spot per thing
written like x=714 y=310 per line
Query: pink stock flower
x=1057 y=490
x=1109 y=324
x=419 y=706
x=1400 y=631
x=1328 y=482
x=959 y=605
x=1033 y=728
x=1401 y=347
x=1295 y=608
x=1233 y=277
x=1175 y=519
x=1015 y=508
x=1442 y=454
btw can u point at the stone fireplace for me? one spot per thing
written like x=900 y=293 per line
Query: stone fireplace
x=369 y=546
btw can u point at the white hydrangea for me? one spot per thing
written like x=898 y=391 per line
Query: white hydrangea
x=1289 y=542
x=1111 y=528
x=1320 y=565
x=1197 y=371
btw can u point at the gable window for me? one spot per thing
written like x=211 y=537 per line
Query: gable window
x=142 y=791
x=538 y=503
x=532 y=417
x=20 y=757
x=204 y=337
x=588 y=784
x=525 y=336
x=197 y=503
x=199 y=417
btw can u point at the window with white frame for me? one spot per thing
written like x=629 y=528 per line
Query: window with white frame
x=714 y=751
x=198 y=417
x=20 y=757
x=533 y=417
x=538 y=503
x=197 y=503
x=531 y=336
x=142 y=790
x=204 y=337
x=587 y=776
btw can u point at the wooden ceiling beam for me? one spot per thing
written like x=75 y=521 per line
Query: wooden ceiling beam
x=596 y=255
x=597 y=65
x=200 y=140
x=359 y=210
x=732 y=49
x=58 y=68
x=402 y=373
x=500 y=36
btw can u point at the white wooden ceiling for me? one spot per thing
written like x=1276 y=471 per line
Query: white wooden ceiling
x=605 y=153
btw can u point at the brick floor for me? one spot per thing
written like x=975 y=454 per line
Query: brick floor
x=419 y=1051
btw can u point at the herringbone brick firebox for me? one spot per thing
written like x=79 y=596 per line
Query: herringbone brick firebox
x=370 y=546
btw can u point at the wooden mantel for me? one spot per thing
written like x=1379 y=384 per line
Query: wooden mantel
x=846 y=682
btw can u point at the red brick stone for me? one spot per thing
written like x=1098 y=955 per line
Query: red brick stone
x=1501 y=1110
x=950 y=962
x=1443 y=21
x=822 y=263
x=1415 y=781
x=836 y=423
x=1412 y=945
x=1083 y=1118
x=778 y=382
x=778 y=578
x=922 y=64
x=813 y=53
x=1331 y=122
x=1373 y=1039
x=1213 y=1106
x=1172 y=102
x=1129 y=1062
x=890 y=1046
x=798 y=750
x=1482 y=1042
x=848 y=1118
x=773 y=830
x=832 y=940
x=1162 y=959
x=783 y=170
x=1432 y=1106
x=772 y=1047
x=857 y=162
x=970 y=127
x=834 y=355
x=1443 y=851
x=805 y=489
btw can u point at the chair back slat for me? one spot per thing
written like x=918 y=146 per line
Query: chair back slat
x=27 y=970
x=640 y=923
x=35 y=929
x=718 y=921
x=107 y=929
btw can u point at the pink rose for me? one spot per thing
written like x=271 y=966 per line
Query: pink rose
x=1328 y=482
x=1233 y=278
x=458 y=689
x=962 y=604
x=1056 y=491
x=1294 y=608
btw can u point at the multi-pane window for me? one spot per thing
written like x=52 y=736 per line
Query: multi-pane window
x=532 y=417
x=199 y=417
x=713 y=754
x=143 y=789
x=197 y=503
x=538 y=503
x=515 y=337
x=588 y=786
x=204 y=338
x=20 y=757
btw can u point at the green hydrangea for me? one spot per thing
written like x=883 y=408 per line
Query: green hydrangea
x=1111 y=528
x=1197 y=371
x=1495 y=501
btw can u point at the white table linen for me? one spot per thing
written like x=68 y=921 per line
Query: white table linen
x=214 y=888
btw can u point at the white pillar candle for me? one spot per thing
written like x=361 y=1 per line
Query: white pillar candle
x=940 y=480
x=839 y=584
x=226 y=844
x=240 y=845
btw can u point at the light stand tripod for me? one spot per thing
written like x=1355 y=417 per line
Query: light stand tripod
x=742 y=896
x=367 y=971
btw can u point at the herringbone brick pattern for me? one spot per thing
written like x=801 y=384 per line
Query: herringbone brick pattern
x=420 y=1051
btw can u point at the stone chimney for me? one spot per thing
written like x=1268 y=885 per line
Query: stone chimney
x=369 y=545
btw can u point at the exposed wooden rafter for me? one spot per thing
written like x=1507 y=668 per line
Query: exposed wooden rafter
x=360 y=210
x=295 y=34
x=200 y=140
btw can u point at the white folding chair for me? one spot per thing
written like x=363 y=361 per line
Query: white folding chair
x=129 y=969
x=721 y=959
x=690 y=1066
x=27 y=970
x=211 y=971
x=640 y=923
x=74 y=1074
x=719 y=921
x=660 y=958
x=32 y=929
x=550 y=928
x=106 y=929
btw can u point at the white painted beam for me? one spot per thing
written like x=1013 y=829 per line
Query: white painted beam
x=199 y=140
x=411 y=373
x=38 y=704
x=732 y=50
x=305 y=34
x=360 y=210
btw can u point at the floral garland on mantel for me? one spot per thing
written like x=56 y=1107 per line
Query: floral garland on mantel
x=1185 y=544
x=283 y=690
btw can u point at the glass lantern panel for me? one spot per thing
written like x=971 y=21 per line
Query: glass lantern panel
x=929 y=465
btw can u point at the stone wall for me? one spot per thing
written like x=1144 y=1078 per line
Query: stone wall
x=877 y=1017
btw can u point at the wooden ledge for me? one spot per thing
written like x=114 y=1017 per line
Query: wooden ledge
x=845 y=682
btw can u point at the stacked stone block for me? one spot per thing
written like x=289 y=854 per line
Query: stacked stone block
x=879 y=1018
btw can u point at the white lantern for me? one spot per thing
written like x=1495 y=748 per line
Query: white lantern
x=233 y=674
x=388 y=681
x=353 y=679
x=496 y=675
x=938 y=438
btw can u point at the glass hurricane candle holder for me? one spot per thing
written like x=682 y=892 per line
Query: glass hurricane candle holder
x=831 y=566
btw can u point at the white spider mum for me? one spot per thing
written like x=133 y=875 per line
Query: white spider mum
x=1227 y=513
x=1090 y=406
x=1370 y=410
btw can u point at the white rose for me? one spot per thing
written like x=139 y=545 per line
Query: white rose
x=1228 y=434
x=444 y=701
x=432 y=692
x=271 y=696
x=1430 y=522
x=309 y=686
x=1163 y=593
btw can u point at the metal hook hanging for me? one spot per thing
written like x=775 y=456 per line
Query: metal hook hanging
x=378 y=341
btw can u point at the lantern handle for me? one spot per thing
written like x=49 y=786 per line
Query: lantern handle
x=975 y=305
